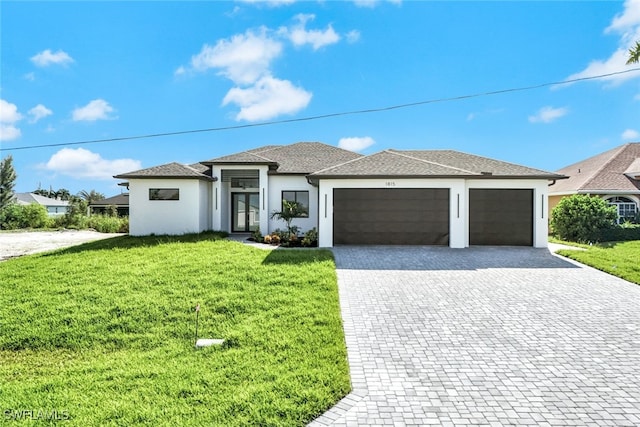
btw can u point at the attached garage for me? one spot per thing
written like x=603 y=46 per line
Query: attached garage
x=391 y=216
x=501 y=217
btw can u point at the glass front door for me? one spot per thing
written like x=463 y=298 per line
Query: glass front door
x=245 y=212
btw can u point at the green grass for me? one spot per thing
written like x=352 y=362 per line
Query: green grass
x=105 y=333
x=618 y=258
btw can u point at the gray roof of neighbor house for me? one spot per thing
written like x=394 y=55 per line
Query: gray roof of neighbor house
x=431 y=164
x=298 y=158
x=170 y=170
x=616 y=170
x=118 y=200
x=28 y=198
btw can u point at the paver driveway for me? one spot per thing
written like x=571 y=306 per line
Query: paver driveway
x=485 y=336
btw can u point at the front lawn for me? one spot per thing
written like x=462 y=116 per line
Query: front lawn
x=103 y=334
x=621 y=259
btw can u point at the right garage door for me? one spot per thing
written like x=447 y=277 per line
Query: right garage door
x=501 y=217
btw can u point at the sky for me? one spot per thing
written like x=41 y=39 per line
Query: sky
x=81 y=71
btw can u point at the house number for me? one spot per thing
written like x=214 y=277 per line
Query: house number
x=390 y=184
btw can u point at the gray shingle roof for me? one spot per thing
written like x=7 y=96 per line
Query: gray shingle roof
x=430 y=163
x=604 y=172
x=119 y=200
x=298 y=158
x=169 y=170
x=29 y=198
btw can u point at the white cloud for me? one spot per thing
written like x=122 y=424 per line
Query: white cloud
x=9 y=132
x=46 y=58
x=30 y=76
x=98 y=109
x=9 y=115
x=627 y=24
x=180 y=71
x=630 y=135
x=299 y=35
x=267 y=98
x=272 y=3
x=353 y=36
x=244 y=58
x=548 y=114
x=39 y=112
x=81 y=163
x=373 y=3
x=356 y=143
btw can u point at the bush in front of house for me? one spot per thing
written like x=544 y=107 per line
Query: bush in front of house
x=582 y=218
x=15 y=216
x=108 y=224
x=623 y=233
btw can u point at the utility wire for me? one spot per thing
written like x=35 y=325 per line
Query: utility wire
x=326 y=116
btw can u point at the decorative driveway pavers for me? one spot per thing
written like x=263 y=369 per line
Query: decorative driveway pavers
x=485 y=336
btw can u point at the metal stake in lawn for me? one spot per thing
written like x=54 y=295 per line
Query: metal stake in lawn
x=197 y=316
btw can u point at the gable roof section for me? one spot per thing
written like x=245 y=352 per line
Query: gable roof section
x=610 y=171
x=118 y=200
x=430 y=164
x=29 y=198
x=169 y=170
x=298 y=158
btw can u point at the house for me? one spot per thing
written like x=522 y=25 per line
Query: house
x=119 y=202
x=613 y=175
x=416 y=197
x=54 y=206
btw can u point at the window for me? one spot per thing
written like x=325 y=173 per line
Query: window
x=244 y=182
x=164 y=194
x=300 y=197
x=627 y=209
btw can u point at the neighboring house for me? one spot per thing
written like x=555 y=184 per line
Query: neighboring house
x=54 y=206
x=120 y=202
x=613 y=175
x=417 y=197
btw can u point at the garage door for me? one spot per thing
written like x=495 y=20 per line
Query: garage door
x=501 y=217
x=385 y=216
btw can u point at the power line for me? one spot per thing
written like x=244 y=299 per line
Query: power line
x=326 y=116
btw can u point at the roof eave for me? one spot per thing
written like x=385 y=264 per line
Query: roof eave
x=483 y=176
x=128 y=177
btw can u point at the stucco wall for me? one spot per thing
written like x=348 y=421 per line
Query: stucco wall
x=458 y=199
x=280 y=183
x=167 y=216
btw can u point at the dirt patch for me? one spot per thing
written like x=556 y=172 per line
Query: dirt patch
x=15 y=244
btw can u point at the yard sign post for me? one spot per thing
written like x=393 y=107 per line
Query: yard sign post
x=197 y=316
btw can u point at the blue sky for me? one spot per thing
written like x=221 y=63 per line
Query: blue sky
x=81 y=71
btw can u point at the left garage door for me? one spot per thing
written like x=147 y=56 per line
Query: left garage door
x=391 y=216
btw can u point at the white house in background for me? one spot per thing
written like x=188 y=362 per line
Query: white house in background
x=417 y=197
x=54 y=207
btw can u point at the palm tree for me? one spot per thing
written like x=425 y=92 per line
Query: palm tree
x=91 y=196
x=63 y=194
x=634 y=54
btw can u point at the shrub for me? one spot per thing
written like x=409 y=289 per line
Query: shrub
x=108 y=224
x=310 y=238
x=619 y=234
x=15 y=216
x=582 y=218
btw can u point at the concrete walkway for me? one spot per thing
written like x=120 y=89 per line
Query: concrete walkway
x=485 y=336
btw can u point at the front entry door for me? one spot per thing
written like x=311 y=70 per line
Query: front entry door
x=245 y=212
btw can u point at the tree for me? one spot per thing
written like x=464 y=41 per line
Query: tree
x=634 y=54
x=62 y=194
x=7 y=181
x=580 y=218
x=290 y=210
x=91 y=196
